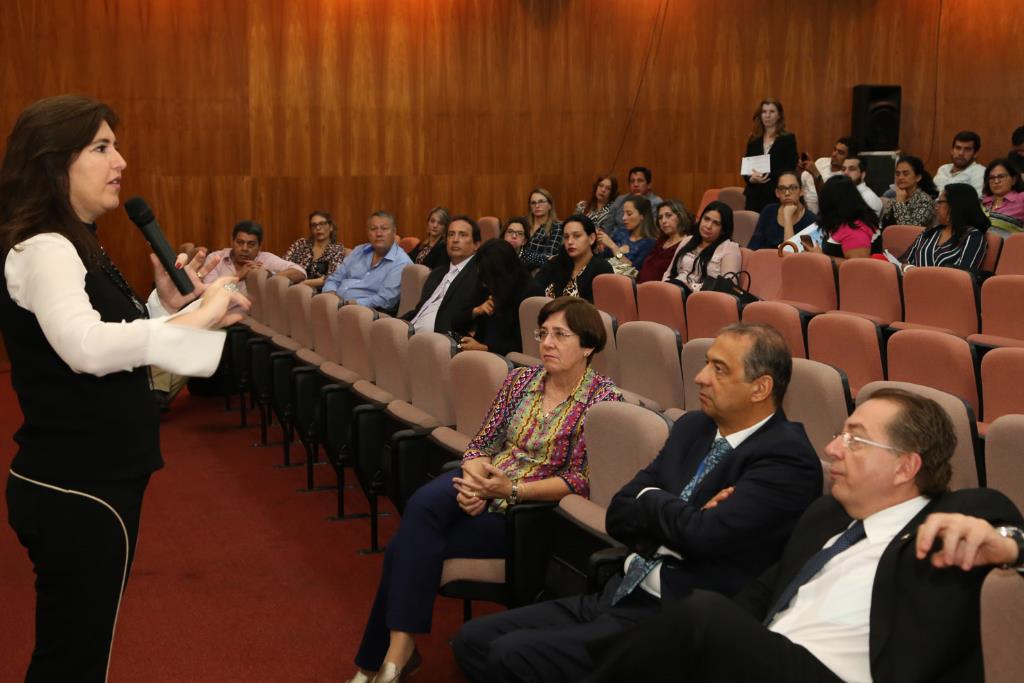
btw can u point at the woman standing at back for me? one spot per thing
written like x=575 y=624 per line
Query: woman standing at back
x=768 y=137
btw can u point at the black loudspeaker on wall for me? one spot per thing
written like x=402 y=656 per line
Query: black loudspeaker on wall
x=876 y=116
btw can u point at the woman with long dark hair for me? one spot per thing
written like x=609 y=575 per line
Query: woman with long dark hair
x=494 y=324
x=573 y=269
x=80 y=341
x=769 y=136
x=320 y=253
x=709 y=252
x=915 y=195
x=958 y=241
x=849 y=227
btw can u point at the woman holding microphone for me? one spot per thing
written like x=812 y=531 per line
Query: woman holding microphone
x=80 y=342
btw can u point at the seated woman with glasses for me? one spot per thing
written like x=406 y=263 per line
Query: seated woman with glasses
x=573 y=269
x=958 y=241
x=781 y=220
x=516 y=233
x=529 y=447
x=544 y=232
x=1003 y=197
x=320 y=253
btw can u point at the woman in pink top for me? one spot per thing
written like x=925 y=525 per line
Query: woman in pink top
x=1003 y=197
x=849 y=227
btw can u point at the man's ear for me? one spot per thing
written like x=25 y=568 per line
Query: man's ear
x=762 y=388
x=909 y=466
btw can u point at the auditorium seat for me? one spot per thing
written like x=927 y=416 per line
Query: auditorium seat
x=262 y=349
x=765 y=268
x=708 y=312
x=255 y=288
x=1002 y=377
x=809 y=282
x=693 y=359
x=407 y=244
x=476 y=377
x=298 y=300
x=1001 y=321
x=849 y=342
x=783 y=318
x=896 y=239
x=1011 y=258
x=942 y=299
x=1004 y=461
x=616 y=295
x=732 y=197
x=744 y=223
x=664 y=303
x=819 y=397
x=411 y=287
x=870 y=289
x=710 y=195
x=968 y=467
x=993 y=249
x=490 y=228
x=937 y=360
x=529 y=309
x=607 y=361
x=649 y=364
x=1002 y=603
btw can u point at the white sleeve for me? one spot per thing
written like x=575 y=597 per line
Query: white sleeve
x=46 y=277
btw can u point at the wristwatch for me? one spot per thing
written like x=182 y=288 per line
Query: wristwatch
x=513 y=498
x=1017 y=536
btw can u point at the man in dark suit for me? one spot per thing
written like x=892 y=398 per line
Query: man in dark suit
x=880 y=581
x=454 y=288
x=713 y=510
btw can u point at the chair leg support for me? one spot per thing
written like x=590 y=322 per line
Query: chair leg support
x=467 y=609
x=374 y=532
x=313 y=458
x=341 y=516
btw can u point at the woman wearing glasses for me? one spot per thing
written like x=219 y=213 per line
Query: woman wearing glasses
x=1003 y=197
x=572 y=271
x=529 y=448
x=544 y=231
x=320 y=253
x=516 y=233
x=781 y=220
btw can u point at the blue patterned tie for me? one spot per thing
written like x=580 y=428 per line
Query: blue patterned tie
x=640 y=566
x=814 y=564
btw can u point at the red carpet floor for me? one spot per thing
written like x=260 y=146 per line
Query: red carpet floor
x=237 y=576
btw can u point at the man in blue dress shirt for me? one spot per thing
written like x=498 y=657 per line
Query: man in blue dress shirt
x=371 y=274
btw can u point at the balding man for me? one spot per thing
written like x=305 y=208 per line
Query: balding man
x=371 y=275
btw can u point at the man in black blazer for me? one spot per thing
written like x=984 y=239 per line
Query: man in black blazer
x=880 y=581
x=712 y=510
x=454 y=288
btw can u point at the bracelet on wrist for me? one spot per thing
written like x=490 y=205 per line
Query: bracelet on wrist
x=513 y=497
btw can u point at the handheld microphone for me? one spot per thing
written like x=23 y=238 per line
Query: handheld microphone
x=142 y=216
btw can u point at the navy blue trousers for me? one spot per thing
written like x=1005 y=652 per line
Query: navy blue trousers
x=433 y=529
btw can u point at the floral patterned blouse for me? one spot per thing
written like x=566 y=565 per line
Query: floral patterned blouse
x=528 y=444
x=919 y=209
x=301 y=252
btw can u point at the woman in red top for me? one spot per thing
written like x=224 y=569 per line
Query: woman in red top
x=674 y=223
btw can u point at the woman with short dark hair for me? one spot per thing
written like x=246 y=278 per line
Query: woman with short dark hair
x=958 y=241
x=1003 y=197
x=516 y=233
x=915 y=195
x=320 y=253
x=529 y=447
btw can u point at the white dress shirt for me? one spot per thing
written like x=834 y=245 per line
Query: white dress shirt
x=973 y=175
x=652 y=582
x=46 y=277
x=870 y=198
x=831 y=614
x=424 y=320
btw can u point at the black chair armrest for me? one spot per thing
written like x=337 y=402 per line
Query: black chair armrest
x=528 y=530
x=603 y=565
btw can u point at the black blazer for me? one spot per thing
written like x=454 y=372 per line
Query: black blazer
x=463 y=294
x=556 y=272
x=924 y=621
x=777 y=475
x=784 y=158
x=500 y=332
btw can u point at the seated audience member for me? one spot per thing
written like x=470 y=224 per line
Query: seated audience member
x=825 y=167
x=516 y=233
x=768 y=137
x=572 y=271
x=452 y=290
x=529 y=448
x=494 y=324
x=881 y=580
x=712 y=511
x=599 y=207
x=320 y=253
x=915 y=195
x=634 y=240
x=958 y=241
x=853 y=168
x=244 y=255
x=675 y=223
x=1016 y=154
x=779 y=221
x=963 y=168
x=371 y=274
x=639 y=185
x=708 y=252
x=432 y=251
x=849 y=228
x=1003 y=197
x=544 y=234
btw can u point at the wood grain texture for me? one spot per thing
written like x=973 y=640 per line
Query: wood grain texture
x=272 y=108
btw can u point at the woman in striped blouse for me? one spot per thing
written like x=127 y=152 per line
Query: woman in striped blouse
x=959 y=239
x=530 y=447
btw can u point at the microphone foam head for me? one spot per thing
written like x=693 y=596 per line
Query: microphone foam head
x=138 y=211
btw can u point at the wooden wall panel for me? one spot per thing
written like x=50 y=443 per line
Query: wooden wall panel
x=271 y=108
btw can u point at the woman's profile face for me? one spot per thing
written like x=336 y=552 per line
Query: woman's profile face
x=668 y=221
x=94 y=177
x=604 y=190
x=540 y=207
x=710 y=226
x=631 y=218
x=906 y=178
x=515 y=234
x=576 y=241
x=769 y=115
x=942 y=209
x=1000 y=181
x=435 y=226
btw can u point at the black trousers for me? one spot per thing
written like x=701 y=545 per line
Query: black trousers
x=708 y=638
x=547 y=641
x=81 y=541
